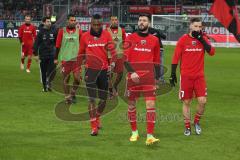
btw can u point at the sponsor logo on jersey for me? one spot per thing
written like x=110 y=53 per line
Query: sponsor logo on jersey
x=27 y=31
x=142 y=49
x=71 y=39
x=96 y=45
x=193 y=49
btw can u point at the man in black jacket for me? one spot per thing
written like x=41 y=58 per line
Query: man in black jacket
x=44 y=47
x=160 y=36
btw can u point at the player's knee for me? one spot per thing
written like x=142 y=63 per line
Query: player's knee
x=187 y=103
x=102 y=102
x=120 y=75
x=77 y=81
x=91 y=100
x=202 y=101
x=150 y=104
x=131 y=105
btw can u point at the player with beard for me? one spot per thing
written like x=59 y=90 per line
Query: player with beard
x=118 y=36
x=27 y=36
x=93 y=49
x=44 y=49
x=142 y=61
x=67 y=48
x=190 y=51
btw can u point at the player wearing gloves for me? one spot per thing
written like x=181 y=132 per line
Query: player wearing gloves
x=142 y=61
x=190 y=51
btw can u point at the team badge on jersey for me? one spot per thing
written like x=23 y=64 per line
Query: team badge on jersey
x=143 y=42
x=194 y=43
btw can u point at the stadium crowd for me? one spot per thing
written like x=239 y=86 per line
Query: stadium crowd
x=15 y=10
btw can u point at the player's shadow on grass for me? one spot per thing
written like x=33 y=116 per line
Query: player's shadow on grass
x=63 y=110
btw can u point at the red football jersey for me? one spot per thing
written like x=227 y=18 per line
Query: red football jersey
x=96 y=50
x=27 y=33
x=190 y=52
x=142 y=49
x=143 y=53
x=60 y=35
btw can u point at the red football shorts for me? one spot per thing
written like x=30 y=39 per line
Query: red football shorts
x=119 y=66
x=149 y=92
x=27 y=50
x=192 y=86
x=146 y=86
x=70 y=66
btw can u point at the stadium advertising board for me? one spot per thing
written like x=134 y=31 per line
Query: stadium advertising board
x=103 y=11
x=84 y=23
x=9 y=29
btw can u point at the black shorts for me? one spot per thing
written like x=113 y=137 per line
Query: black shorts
x=96 y=82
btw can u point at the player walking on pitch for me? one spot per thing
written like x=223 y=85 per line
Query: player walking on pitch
x=190 y=51
x=142 y=61
x=118 y=35
x=27 y=36
x=67 y=49
x=93 y=49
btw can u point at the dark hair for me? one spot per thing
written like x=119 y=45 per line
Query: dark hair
x=192 y=20
x=27 y=15
x=145 y=15
x=45 y=18
x=70 y=15
x=96 y=16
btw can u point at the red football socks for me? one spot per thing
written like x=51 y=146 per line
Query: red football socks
x=150 y=118
x=132 y=118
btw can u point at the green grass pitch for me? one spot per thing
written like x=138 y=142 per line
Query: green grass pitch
x=30 y=129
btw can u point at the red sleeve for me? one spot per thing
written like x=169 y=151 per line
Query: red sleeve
x=123 y=34
x=20 y=32
x=80 y=34
x=83 y=44
x=82 y=49
x=34 y=33
x=59 y=38
x=156 y=58
x=127 y=48
x=177 y=52
x=212 y=51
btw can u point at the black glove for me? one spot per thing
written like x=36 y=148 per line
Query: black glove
x=198 y=35
x=173 y=77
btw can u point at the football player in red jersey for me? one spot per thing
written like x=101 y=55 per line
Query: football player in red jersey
x=27 y=36
x=190 y=51
x=142 y=61
x=67 y=48
x=118 y=35
x=93 y=48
